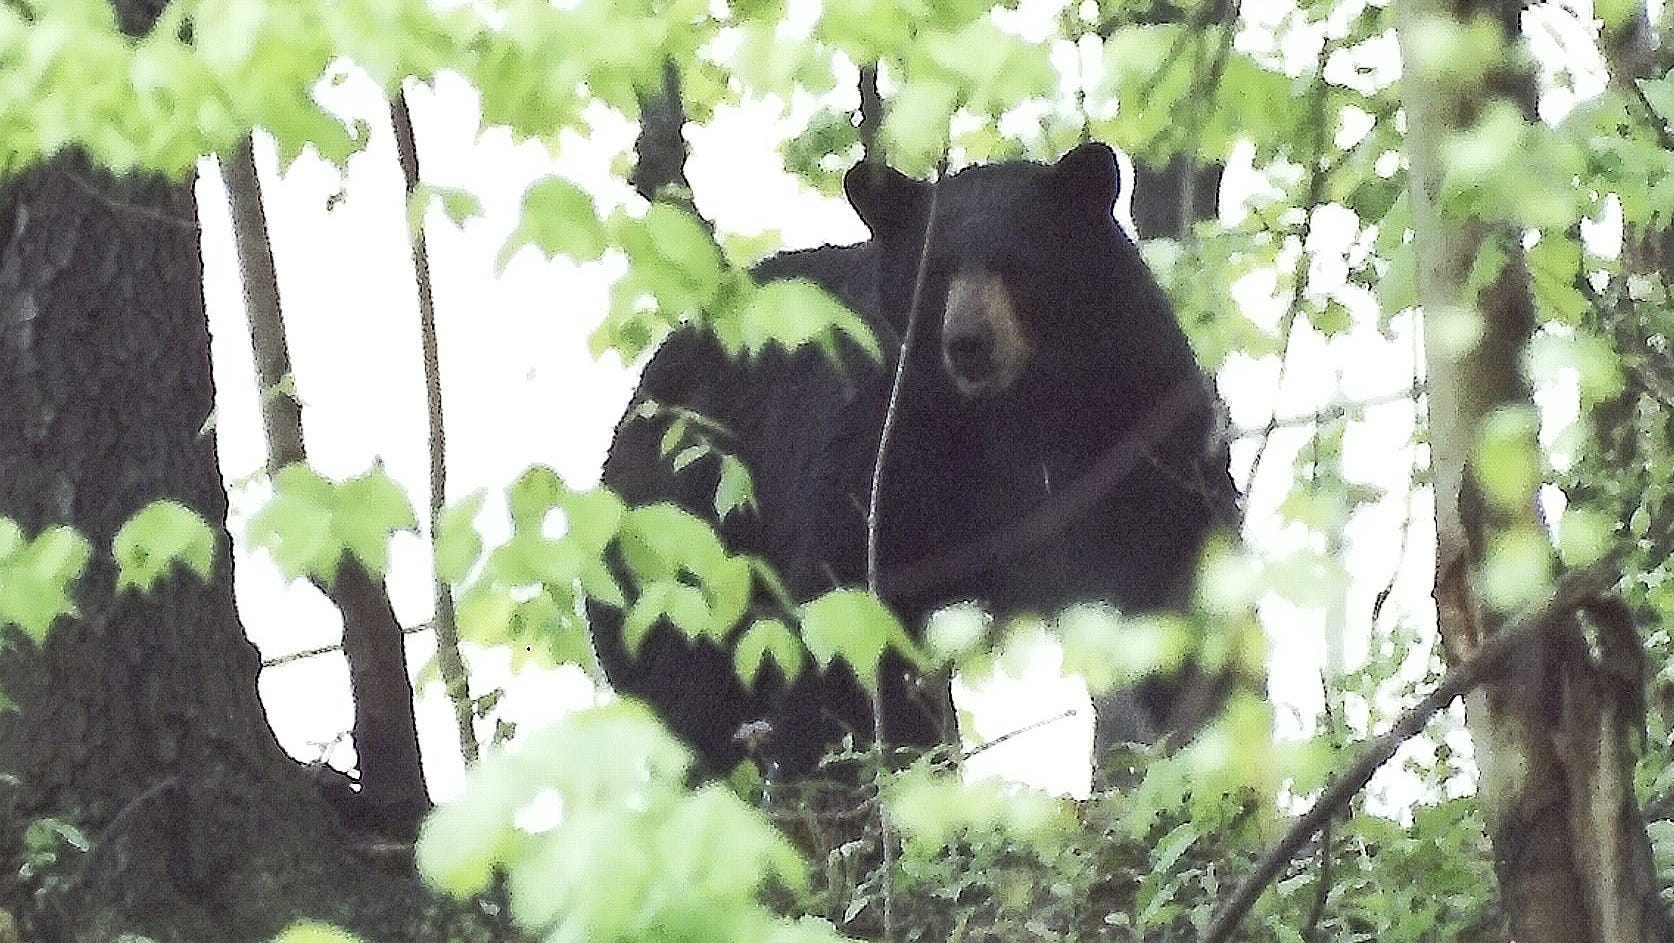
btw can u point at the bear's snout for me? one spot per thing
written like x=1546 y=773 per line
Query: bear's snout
x=984 y=346
x=970 y=353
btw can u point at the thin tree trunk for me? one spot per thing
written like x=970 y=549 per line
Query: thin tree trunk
x=449 y=660
x=392 y=796
x=1553 y=734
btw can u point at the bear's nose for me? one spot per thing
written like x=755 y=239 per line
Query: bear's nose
x=970 y=354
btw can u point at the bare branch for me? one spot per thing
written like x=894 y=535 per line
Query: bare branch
x=872 y=582
x=449 y=660
x=1576 y=590
x=1333 y=412
x=1014 y=734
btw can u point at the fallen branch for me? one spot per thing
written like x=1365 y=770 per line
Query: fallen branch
x=1573 y=591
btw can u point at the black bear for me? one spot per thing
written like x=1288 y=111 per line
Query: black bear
x=1055 y=441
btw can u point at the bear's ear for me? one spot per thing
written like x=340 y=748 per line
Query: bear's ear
x=1089 y=173
x=887 y=200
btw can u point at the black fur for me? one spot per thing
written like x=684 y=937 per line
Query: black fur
x=1106 y=351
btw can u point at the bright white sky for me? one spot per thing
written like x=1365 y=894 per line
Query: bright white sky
x=520 y=389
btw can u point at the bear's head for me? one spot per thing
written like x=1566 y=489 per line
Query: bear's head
x=1026 y=276
x=1044 y=345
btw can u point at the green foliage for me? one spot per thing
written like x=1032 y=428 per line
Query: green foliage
x=1112 y=652
x=677 y=274
x=634 y=855
x=855 y=626
x=36 y=575
x=526 y=593
x=311 y=521
x=558 y=218
x=933 y=810
x=691 y=437
x=768 y=640
x=309 y=931
x=1508 y=458
x=1320 y=252
x=153 y=541
x=51 y=846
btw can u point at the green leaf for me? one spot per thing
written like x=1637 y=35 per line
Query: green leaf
x=1507 y=462
x=768 y=640
x=367 y=511
x=661 y=540
x=735 y=491
x=35 y=579
x=559 y=218
x=1110 y=651
x=955 y=631
x=593 y=518
x=532 y=496
x=689 y=611
x=1596 y=366
x=650 y=606
x=917 y=125
x=688 y=455
x=1518 y=569
x=11 y=538
x=295 y=526
x=461 y=842
x=790 y=313
x=1584 y=536
x=485 y=614
x=309 y=931
x=854 y=625
x=729 y=586
x=683 y=242
x=458 y=544
x=161 y=535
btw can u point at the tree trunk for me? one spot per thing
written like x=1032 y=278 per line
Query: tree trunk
x=1553 y=733
x=393 y=796
x=138 y=720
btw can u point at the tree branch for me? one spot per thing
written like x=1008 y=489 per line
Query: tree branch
x=872 y=578
x=1575 y=590
x=449 y=660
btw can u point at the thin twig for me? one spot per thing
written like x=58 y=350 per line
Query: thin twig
x=1063 y=507
x=291 y=658
x=891 y=411
x=1299 y=274
x=1326 y=414
x=1572 y=592
x=1658 y=125
x=1013 y=734
x=449 y=661
x=120 y=206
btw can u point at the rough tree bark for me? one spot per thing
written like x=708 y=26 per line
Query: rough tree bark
x=138 y=719
x=1554 y=733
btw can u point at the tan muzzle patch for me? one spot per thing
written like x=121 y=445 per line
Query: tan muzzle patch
x=984 y=347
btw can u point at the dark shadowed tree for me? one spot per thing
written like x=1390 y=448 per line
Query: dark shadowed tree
x=137 y=721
